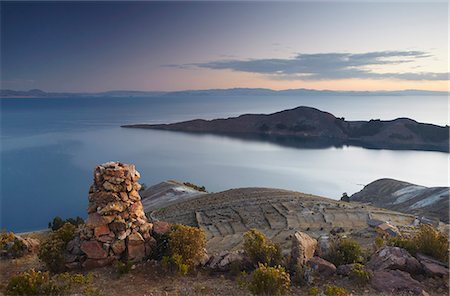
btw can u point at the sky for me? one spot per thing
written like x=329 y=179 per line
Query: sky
x=164 y=46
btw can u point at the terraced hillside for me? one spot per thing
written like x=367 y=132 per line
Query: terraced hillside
x=226 y=215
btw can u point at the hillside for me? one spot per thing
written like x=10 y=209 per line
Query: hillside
x=226 y=215
x=312 y=125
x=407 y=198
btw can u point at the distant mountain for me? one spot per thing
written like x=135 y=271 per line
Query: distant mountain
x=406 y=197
x=36 y=93
x=311 y=124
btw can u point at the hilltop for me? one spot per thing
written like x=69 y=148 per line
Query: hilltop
x=311 y=127
x=406 y=198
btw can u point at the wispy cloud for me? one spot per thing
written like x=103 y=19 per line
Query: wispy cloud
x=328 y=66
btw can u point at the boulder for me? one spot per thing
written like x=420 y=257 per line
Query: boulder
x=225 y=260
x=321 y=266
x=95 y=220
x=118 y=247
x=93 y=249
x=302 y=249
x=161 y=227
x=392 y=281
x=135 y=247
x=101 y=230
x=95 y=263
x=345 y=269
x=394 y=258
x=323 y=246
x=433 y=267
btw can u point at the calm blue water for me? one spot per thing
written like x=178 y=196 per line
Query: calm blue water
x=49 y=148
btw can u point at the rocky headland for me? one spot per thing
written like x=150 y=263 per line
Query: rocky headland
x=310 y=127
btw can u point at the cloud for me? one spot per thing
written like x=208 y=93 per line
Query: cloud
x=328 y=66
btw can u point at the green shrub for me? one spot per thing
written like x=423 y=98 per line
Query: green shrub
x=33 y=283
x=379 y=242
x=359 y=274
x=123 y=267
x=187 y=244
x=58 y=222
x=51 y=251
x=331 y=290
x=5 y=238
x=259 y=249
x=175 y=263
x=267 y=280
x=314 y=291
x=427 y=241
x=345 y=251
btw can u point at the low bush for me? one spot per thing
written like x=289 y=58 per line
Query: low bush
x=267 y=280
x=123 y=267
x=259 y=249
x=378 y=243
x=345 y=251
x=175 y=263
x=332 y=290
x=427 y=241
x=359 y=274
x=58 y=222
x=187 y=244
x=52 y=250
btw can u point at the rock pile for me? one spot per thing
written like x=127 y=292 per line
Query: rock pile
x=116 y=227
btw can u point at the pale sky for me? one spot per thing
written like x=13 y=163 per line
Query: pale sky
x=82 y=46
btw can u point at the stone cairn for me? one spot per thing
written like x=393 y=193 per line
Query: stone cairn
x=116 y=227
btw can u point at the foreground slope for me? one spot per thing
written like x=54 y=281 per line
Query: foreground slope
x=407 y=198
x=322 y=127
x=226 y=215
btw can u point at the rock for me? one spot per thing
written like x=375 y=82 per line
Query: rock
x=321 y=266
x=95 y=263
x=433 y=267
x=391 y=281
x=95 y=220
x=115 y=206
x=112 y=187
x=394 y=258
x=135 y=247
x=323 y=246
x=150 y=245
x=302 y=249
x=101 y=230
x=161 y=227
x=93 y=249
x=118 y=247
x=225 y=260
x=73 y=265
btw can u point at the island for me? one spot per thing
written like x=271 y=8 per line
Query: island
x=310 y=127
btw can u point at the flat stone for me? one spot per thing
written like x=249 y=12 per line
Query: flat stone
x=161 y=227
x=95 y=263
x=95 y=220
x=118 y=247
x=321 y=266
x=101 y=230
x=433 y=267
x=93 y=249
x=113 y=207
x=392 y=281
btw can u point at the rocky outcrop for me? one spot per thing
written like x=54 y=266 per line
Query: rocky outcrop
x=116 y=227
x=227 y=260
x=303 y=248
x=321 y=266
x=14 y=246
x=432 y=267
x=394 y=258
x=407 y=198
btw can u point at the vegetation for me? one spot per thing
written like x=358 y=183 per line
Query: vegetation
x=345 y=251
x=430 y=132
x=259 y=249
x=175 y=263
x=332 y=290
x=123 y=267
x=51 y=251
x=58 y=222
x=196 y=187
x=186 y=245
x=427 y=241
x=41 y=283
x=267 y=280
x=359 y=274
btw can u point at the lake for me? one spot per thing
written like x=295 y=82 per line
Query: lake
x=49 y=148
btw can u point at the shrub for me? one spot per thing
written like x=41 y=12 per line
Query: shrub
x=359 y=274
x=58 y=222
x=331 y=290
x=123 y=267
x=268 y=280
x=345 y=251
x=427 y=241
x=378 y=243
x=175 y=263
x=51 y=251
x=33 y=283
x=314 y=291
x=187 y=243
x=259 y=249
x=6 y=238
x=195 y=187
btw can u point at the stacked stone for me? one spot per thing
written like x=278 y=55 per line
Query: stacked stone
x=116 y=227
